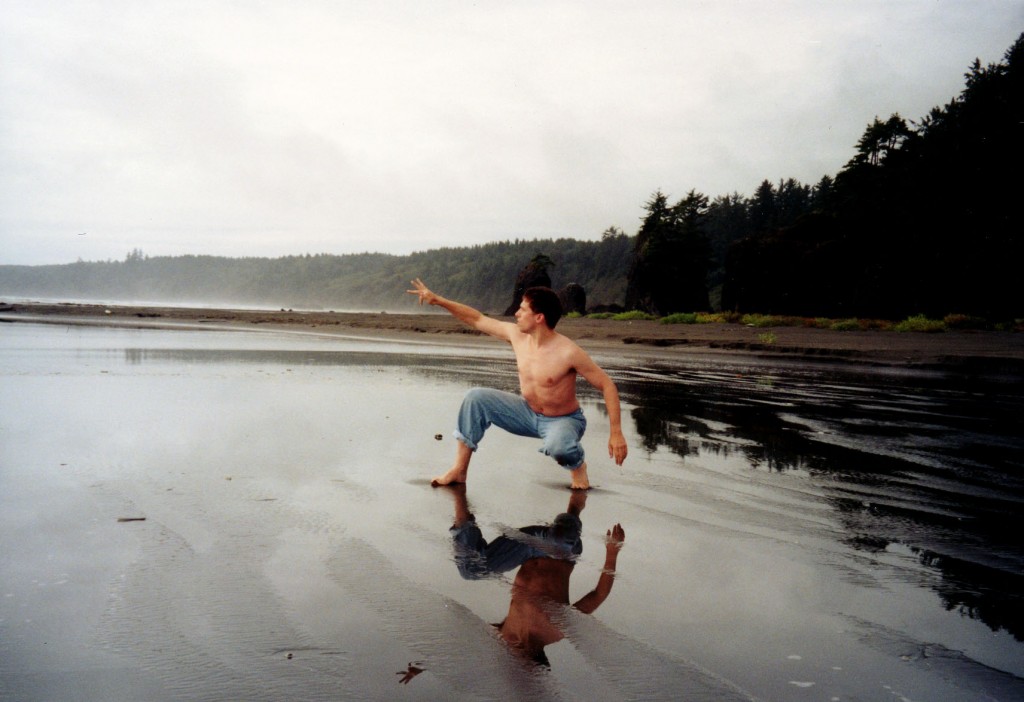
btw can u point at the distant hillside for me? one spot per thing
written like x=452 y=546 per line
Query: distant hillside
x=482 y=276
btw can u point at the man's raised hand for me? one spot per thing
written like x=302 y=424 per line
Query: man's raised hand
x=422 y=290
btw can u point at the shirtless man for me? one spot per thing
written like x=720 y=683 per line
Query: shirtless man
x=547 y=408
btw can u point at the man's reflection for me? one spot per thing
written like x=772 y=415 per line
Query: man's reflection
x=545 y=556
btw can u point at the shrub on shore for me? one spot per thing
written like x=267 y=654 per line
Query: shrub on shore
x=855 y=324
x=920 y=323
x=963 y=321
x=700 y=318
x=774 y=320
x=852 y=324
x=632 y=315
x=717 y=317
x=680 y=318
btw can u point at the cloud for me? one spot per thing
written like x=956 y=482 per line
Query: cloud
x=274 y=128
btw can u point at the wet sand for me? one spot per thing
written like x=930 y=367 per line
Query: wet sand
x=978 y=349
x=192 y=512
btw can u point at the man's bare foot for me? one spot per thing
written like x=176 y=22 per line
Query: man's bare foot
x=580 y=481
x=455 y=476
x=457 y=473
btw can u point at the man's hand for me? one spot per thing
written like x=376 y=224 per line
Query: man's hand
x=617 y=448
x=423 y=291
x=615 y=537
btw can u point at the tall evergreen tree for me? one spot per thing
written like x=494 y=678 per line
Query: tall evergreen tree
x=671 y=257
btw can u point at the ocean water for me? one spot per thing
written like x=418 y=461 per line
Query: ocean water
x=247 y=515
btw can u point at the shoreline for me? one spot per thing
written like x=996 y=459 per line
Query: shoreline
x=975 y=350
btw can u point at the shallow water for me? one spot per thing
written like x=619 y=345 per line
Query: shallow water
x=793 y=531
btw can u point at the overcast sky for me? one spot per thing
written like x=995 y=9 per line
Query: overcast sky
x=269 y=128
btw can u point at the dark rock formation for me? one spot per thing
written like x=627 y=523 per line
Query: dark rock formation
x=573 y=298
x=533 y=275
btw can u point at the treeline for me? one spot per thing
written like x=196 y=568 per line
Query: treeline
x=681 y=253
x=483 y=276
x=925 y=219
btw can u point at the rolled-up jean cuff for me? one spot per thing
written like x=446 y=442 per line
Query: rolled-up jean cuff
x=573 y=467
x=565 y=465
x=459 y=436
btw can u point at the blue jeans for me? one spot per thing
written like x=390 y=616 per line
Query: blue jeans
x=483 y=407
x=476 y=559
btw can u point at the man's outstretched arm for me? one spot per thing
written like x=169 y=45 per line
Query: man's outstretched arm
x=464 y=313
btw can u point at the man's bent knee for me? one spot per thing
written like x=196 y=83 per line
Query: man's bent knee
x=569 y=458
x=474 y=395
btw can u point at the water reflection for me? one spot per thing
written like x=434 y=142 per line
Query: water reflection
x=545 y=556
x=921 y=464
x=289 y=357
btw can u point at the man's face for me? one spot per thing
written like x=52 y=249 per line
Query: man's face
x=526 y=318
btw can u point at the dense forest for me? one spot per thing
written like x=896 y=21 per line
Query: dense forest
x=924 y=219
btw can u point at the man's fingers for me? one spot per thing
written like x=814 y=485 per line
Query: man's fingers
x=616 y=535
x=420 y=289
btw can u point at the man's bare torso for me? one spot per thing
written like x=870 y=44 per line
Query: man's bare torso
x=540 y=584
x=547 y=374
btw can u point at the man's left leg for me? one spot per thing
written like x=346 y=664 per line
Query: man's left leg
x=482 y=407
x=562 y=437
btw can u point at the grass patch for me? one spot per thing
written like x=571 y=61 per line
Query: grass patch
x=963 y=321
x=916 y=323
x=772 y=320
x=1016 y=325
x=700 y=318
x=632 y=315
x=767 y=338
x=757 y=320
x=920 y=323
x=851 y=324
x=717 y=317
x=680 y=318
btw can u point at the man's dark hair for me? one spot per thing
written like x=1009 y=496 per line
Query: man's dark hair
x=545 y=301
